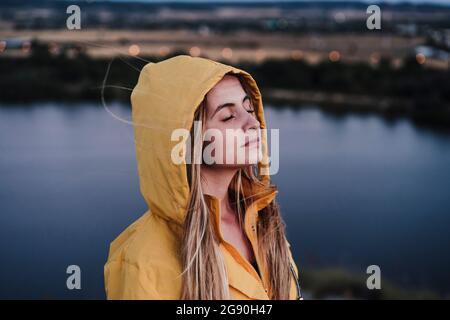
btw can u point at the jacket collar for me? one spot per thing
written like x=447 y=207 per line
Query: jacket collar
x=241 y=274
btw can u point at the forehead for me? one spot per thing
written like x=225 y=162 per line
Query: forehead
x=228 y=87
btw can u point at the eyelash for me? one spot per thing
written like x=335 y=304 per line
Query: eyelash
x=232 y=116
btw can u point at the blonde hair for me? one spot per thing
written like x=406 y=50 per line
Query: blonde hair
x=204 y=274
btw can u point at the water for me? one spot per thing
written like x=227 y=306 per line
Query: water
x=354 y=191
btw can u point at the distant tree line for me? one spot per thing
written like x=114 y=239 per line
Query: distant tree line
x=73 y=75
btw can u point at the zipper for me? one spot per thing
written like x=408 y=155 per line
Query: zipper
x=255 y=251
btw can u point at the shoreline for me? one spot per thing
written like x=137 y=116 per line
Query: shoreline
x=344 y=103
x=391 y=108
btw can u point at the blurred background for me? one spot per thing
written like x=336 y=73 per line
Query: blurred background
x=364 y=119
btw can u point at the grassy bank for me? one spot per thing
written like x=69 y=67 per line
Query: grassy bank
x=335 y=283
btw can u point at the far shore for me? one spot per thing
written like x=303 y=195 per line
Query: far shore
x=391 y=107
x=72 y=75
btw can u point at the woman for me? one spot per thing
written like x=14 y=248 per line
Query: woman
x=213 y=230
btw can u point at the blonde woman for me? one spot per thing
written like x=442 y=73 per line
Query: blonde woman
x=213 y=229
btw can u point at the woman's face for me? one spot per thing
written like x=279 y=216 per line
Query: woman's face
x=231 y=125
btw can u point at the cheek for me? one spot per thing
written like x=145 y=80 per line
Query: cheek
x=218 y=130
x=222 y=126
x=214 y=130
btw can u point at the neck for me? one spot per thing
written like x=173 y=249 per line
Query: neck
x=216 y=181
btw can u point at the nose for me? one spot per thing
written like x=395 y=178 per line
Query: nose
x=251 y=123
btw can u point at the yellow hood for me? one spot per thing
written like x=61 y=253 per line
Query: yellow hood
x=144 y=260
x=165 y=99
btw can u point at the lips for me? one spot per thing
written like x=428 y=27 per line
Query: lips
x=251 y=142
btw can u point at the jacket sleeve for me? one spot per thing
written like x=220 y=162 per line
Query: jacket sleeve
x=127 y=281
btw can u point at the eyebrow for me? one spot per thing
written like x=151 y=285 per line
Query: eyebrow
x=228 y=104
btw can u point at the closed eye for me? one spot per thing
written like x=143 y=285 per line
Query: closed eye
x=229 y=104
x=228 y=118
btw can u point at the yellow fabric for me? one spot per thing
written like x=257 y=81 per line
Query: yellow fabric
x=143 y=261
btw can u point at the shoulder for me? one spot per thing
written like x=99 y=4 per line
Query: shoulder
x=142 y=259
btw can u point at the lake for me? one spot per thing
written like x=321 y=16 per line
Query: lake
x=355 y=190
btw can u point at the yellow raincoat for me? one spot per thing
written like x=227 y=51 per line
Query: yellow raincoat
x=143 y=261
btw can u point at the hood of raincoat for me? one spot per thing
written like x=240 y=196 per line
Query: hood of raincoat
x=144 y=260
x=165 y=99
